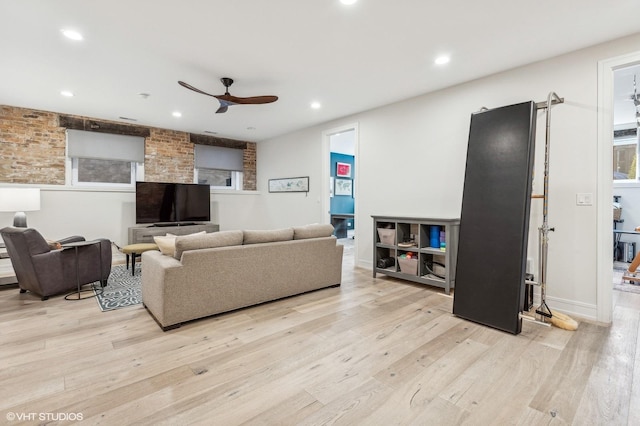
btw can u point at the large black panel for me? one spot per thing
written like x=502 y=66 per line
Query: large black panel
x=494 y=222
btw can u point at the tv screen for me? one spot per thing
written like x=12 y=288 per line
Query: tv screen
x=163 y=202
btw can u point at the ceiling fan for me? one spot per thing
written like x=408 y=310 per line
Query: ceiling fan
x=227 y=99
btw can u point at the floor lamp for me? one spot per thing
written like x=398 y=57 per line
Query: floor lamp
x=19 y=200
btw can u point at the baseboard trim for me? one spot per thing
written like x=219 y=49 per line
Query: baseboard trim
x=569 y=307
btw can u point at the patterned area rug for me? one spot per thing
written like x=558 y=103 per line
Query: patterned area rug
x=621 y=285
x=122 y=289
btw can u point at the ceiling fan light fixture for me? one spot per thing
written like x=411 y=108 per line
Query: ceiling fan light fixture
x=72 y=34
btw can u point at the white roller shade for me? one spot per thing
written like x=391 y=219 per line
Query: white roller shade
x=105 y=146
x=218 y=157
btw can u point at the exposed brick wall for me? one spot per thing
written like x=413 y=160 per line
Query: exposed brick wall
x=32 y=146
x=249 y=176
x=168 y=157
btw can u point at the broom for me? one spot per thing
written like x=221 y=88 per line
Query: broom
x=563 y=321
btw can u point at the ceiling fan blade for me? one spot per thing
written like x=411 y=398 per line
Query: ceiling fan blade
x=195 y=89
x=227 y=100
x=246 y=101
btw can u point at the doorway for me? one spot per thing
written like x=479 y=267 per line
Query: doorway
x=604 y=254
x=340 y=169
x=626 y=187
x=342 y=174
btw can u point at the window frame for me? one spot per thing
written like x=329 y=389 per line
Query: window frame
x=137 y=173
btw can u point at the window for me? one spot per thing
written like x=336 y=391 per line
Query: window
x=625 y=154
x=220 y=167
x=101 y=159
x=98 y=171
x=624 y=159
x=220 y=179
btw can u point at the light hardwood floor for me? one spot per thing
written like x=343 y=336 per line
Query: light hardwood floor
x=371 y=352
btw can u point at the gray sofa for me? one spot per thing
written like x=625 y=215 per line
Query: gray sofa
x=222 y=271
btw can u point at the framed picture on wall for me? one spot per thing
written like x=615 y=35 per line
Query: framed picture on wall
x=297 y=184
x=344 y=187
x=343 y=169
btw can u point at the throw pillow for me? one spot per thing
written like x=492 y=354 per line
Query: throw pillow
x=54 y=245
x=210 y=240
x=167 y=244
x=268 y=236
x=315 y=230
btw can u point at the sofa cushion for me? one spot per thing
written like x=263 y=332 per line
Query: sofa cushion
x=210 y=240
x=315 y=230
x=268 y=236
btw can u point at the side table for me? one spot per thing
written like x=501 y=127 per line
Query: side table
x=76 y=246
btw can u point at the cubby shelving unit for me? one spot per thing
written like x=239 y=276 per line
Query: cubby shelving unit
x=398 y=235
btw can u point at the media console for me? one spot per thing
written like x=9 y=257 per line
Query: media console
x=145 y=233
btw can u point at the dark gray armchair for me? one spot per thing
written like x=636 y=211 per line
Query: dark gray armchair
x=48 y=271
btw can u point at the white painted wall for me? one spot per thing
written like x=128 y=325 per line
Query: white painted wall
x=411 y=161
x=293 y=155
x=108 y=214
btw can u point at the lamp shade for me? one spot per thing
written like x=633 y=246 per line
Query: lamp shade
x=19 y=199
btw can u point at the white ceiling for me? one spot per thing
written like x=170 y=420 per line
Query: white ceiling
x=349 y=58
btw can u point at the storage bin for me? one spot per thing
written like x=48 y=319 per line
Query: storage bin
x=387 y=236
x=408 y=266
x=617 y=213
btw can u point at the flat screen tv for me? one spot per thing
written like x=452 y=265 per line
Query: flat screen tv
x=172 y=203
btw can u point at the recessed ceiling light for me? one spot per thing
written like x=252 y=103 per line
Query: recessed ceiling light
x=315 y=105
x=66 y=93
x=348 y=2
x=72 y=34
x=441 y=60
x=177 y=114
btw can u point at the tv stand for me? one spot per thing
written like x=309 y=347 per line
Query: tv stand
x=145 y=233
x=166 y=224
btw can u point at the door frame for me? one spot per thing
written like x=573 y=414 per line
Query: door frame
x=604 y=212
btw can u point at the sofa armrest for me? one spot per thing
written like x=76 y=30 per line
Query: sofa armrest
x=156 y=272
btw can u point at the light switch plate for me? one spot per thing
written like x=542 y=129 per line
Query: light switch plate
x=584 y=199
